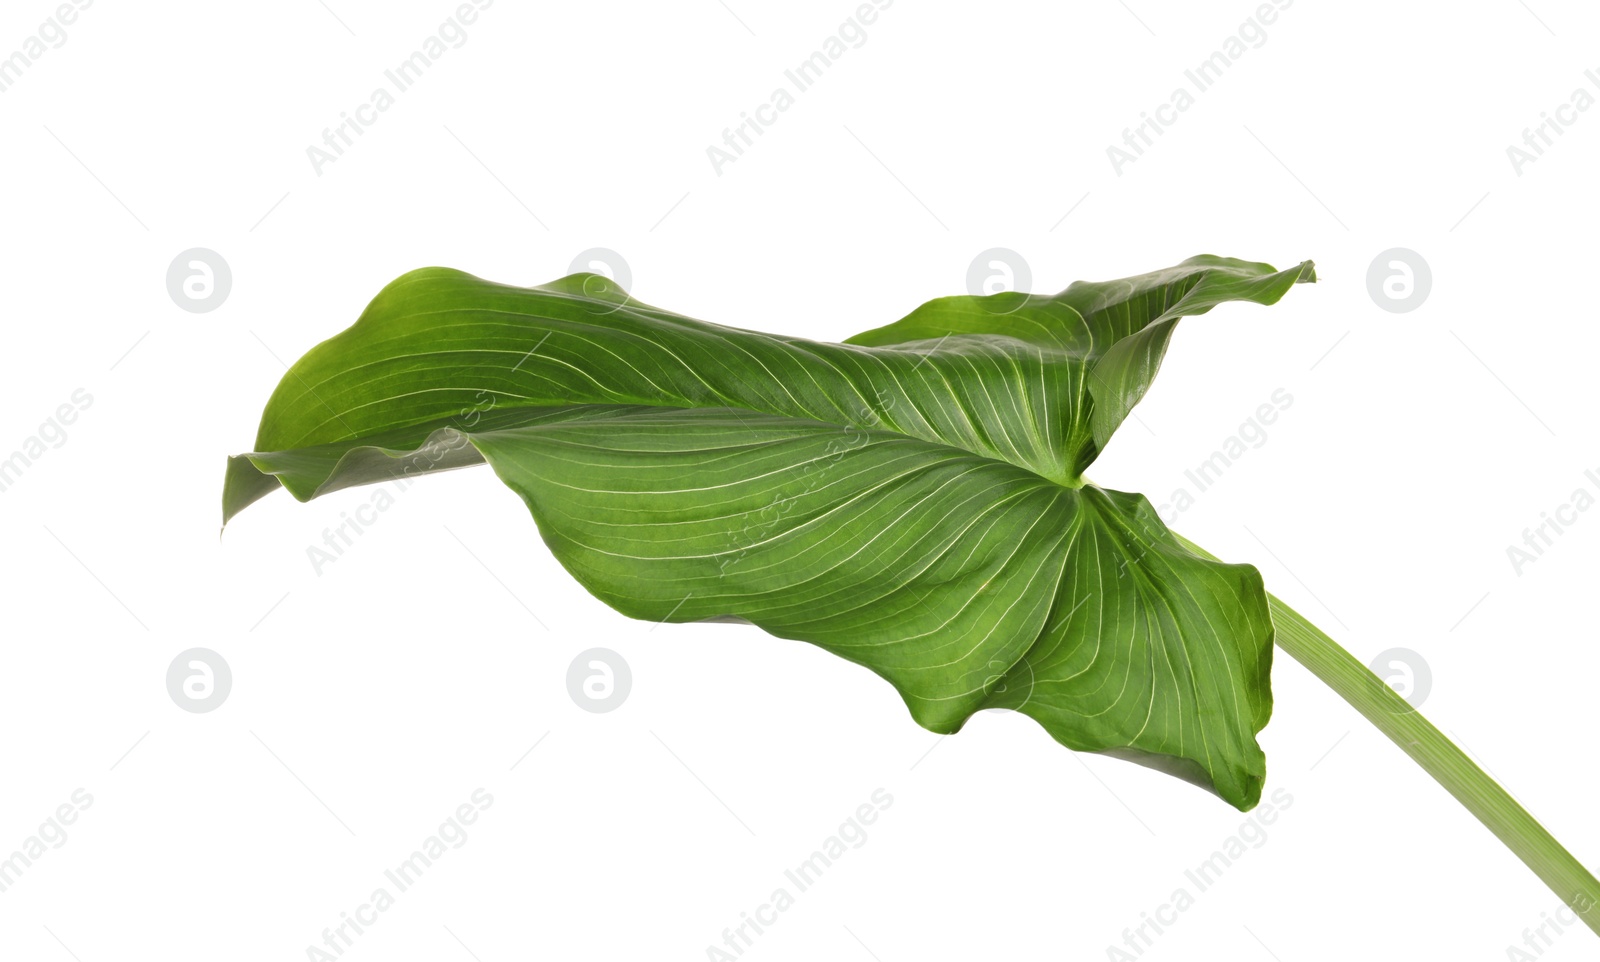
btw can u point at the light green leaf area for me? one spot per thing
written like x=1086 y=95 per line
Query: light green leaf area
x=912 y=500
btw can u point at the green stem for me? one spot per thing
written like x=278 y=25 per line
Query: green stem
x=1438 y=756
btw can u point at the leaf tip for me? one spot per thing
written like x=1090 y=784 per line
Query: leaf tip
x=243 y=485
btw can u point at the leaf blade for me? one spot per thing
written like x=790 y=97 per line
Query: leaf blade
x=912 y=501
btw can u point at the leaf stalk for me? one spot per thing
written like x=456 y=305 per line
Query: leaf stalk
x=1438 y=755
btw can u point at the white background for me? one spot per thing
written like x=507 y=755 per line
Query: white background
x=372 y=699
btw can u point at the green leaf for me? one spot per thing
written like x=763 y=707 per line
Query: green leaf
x=912 y=500
x=1120 y=327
